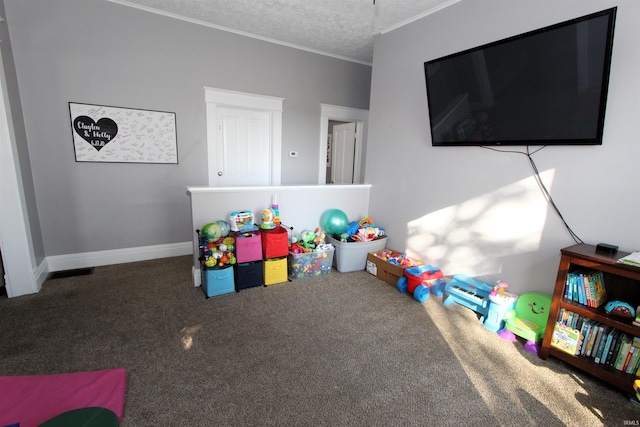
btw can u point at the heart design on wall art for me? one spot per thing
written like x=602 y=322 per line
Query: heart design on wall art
x=97 y=134
x=132 y=135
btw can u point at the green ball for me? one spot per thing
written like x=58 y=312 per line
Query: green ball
x=334 y=221
x=211 y=231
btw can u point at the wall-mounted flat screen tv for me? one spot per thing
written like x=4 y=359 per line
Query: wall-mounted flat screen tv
x=545 y=87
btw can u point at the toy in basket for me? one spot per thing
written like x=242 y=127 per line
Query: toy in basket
x=216 y=246
x=422 y=281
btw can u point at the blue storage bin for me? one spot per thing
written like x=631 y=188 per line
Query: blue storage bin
x=217 y=281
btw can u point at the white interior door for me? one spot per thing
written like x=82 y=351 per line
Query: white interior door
x=244 y=138
x=343 y=153
x=244 y=147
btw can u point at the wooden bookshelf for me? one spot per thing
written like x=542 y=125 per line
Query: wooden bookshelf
x=622 y=282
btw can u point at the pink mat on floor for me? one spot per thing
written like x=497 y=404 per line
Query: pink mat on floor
x=32 y=400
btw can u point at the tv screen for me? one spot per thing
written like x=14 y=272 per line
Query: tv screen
x=545 y=87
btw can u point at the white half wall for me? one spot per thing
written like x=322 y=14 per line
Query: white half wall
x=301 y=207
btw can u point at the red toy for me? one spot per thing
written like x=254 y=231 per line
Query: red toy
x=422 y=281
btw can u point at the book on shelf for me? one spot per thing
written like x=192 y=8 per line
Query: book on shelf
x=599 y=329
x=616 y=349
x=635 y=361
x=586 y=288
x=600 y=291
x=589 y=291
x=607 y=346
x=586 y=334
x=566 y=339
x=604 y=345
x=624 y=350
x=631 y=259
x=632 y=365
x=611 y=351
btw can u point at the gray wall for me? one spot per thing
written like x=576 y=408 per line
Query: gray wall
x=99 y=52
x=479 y=212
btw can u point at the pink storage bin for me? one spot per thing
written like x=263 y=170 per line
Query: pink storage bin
x=248 y=246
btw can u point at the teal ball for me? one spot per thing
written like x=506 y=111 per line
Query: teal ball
x=334 y=221
x=224 y=228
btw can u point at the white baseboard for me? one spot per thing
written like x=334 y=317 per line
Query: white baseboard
x=40 y=274
x=117 y=256
x=197 y=278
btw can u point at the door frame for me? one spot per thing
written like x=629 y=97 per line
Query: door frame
x=342 y=114
x=231 y=99
x=16 y=245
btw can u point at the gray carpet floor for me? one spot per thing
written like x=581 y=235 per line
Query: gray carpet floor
x=344 y=349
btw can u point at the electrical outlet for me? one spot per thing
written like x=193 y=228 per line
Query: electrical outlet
x=293 y=154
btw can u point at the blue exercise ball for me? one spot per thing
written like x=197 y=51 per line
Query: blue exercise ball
x=334 y=221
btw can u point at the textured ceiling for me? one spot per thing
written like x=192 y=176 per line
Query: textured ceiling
x=341 y=28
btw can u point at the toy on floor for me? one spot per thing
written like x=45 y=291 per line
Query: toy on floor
x=500 y=302
x=636 y=388
x=397 y=258
x=421 y=281
x=528 y=320
x=468 y=292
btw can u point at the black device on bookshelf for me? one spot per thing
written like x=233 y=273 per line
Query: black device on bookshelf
x=597 y=330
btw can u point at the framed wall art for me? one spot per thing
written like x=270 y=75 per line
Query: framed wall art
x=122 y=135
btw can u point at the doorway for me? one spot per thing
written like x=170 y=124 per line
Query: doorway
x=342 y=115
x=341 y=152
x=248 y=122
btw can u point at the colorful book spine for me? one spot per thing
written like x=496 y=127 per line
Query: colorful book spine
x=593 y=345
x=586 y=288
x=632 y=360
x=611 y=351
x=586 y=334
x=607 y=345
x=569 y=287
x=601 y=293
x=622 y=354
x=602 y=343
x=616 y=350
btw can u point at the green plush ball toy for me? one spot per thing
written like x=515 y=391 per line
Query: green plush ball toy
x=211 y=231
